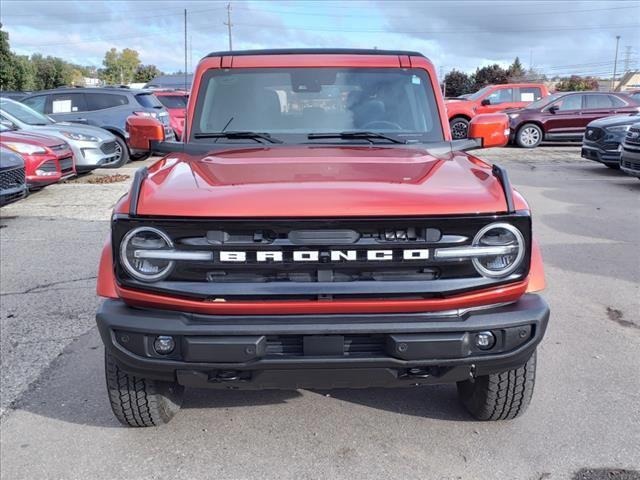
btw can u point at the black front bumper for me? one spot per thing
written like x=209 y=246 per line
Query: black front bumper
x=630 y=162
x=592 y=151
x=322 y=351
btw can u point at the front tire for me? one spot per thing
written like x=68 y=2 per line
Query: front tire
x=138 y=401
x=139 y=156
x=123 y=152
x=529 y=136
x=459 y=128
x=499 y=396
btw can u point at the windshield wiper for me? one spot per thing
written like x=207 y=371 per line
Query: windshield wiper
x=356 y=135
x=257 y=136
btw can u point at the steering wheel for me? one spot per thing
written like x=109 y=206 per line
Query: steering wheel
x=382 y=124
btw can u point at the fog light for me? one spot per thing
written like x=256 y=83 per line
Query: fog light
x=164 y=344
x=485 y=340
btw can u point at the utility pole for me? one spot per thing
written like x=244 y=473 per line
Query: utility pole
x=615 y=65
x=185 y=49
x=229 y=25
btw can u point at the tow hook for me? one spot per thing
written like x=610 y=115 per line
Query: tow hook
x=472 y=371
x=226 y=376
x=417 y=373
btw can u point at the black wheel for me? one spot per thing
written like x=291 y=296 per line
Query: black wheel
x=138 y=401
x=122 y=154
x=139 y=156
x=529 y=136
x=459 y=128
x=613 y=166
x=500 y=396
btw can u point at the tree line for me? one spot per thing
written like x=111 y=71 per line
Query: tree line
x=37 y=72
x=458 y=83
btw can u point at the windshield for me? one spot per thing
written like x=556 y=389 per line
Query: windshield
x=544 y=101
x=23 y=113
x=173 y=101
x=291 y=103
x=479 y=93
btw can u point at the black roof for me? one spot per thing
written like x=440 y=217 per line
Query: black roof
x=312 y=51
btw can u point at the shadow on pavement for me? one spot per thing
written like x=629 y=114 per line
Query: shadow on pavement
x=73 y=390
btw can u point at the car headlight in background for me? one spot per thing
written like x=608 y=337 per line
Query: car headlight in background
x=81 y=137
x=508 y=250
x=25 y=148
x=137 y=251
x=618 y=128
x=514 y=115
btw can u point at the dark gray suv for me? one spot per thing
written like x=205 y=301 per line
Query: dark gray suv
x=106 y=107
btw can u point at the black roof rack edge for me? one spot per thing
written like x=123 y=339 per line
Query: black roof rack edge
x=501 y=174
x=314 y=51
x=136 y=187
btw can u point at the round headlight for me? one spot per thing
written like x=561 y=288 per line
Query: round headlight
x=143 y=267
x=499 y=235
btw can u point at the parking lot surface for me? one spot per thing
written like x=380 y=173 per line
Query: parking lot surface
x=585 y=413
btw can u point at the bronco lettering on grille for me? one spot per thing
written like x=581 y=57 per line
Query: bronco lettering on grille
x=315 y=255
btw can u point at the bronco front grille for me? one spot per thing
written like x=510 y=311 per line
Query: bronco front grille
x=13 y=178
x=342 y=258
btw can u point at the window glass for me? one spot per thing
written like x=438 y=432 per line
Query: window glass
x=37 y=103
x=502 y=95
x=23 y=113
x=319 y=100
x=173 y=101
x=617 y=101
x=100 y=101
x=598 y=101
x=68 y=103
x=148 y=100
x=479 y=93
x=530 y=94
x=569 y=102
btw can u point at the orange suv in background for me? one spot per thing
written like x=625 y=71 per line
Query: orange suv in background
x=490 y=99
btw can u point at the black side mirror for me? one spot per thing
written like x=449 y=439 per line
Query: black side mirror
x=485 y=102
x=554 y=108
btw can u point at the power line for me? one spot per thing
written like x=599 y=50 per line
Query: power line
x=436 y=32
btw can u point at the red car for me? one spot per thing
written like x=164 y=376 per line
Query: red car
x=47 y=159
x=490 y=99
x=318 y=228
x=175 y=101
x=564 y=116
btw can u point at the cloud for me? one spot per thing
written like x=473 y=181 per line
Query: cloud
x=464 y=35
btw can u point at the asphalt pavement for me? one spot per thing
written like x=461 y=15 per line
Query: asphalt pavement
x=583 y=422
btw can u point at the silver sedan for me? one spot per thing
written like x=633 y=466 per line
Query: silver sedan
x=92 y=147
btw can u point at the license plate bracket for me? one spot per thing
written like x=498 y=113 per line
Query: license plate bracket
x=323 y=345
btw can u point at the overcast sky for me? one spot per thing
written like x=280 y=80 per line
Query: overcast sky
x=560 y=37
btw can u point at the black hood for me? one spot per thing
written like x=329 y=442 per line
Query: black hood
x=9 y=159
x=615 y=121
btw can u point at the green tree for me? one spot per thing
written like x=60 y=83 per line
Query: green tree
x=516 y=70
x=7 y=64
x=457 y=83
x=146 y=73
x=489 y=75
x=576 y=83
x=120 y=67
x=24 y=74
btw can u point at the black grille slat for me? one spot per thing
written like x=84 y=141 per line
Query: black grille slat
x=66 y=164
x=354 y=345
x=594 y=134
x=109 y=147
x=48 y=166
x=12 y=178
